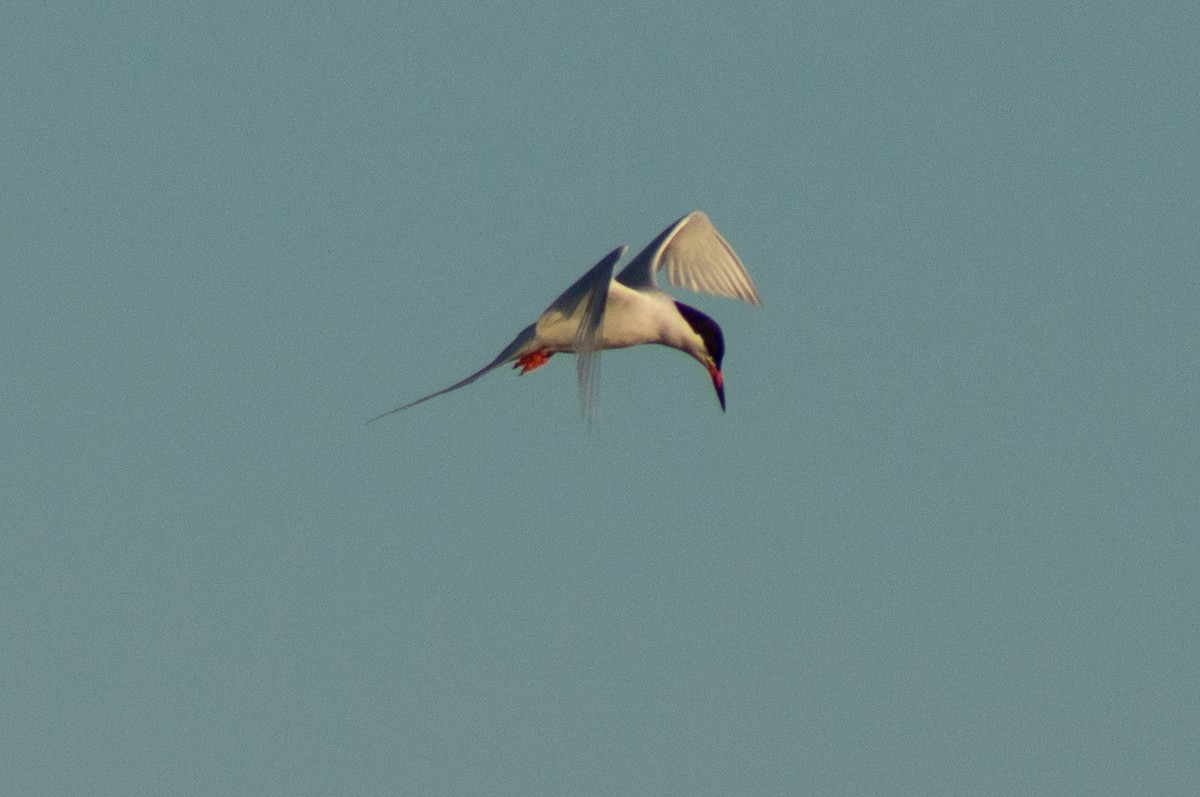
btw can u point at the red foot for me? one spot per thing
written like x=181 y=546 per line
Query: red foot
x=532 y=361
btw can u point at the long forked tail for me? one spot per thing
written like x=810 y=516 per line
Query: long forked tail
x=511 y=352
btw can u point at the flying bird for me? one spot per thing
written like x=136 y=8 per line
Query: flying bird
x=602 y=312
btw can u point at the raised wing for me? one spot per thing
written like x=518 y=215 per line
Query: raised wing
x=694 y=256
x=510 y=353
x=581 y=307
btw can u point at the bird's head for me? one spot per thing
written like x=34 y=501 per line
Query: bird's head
x=712 y=348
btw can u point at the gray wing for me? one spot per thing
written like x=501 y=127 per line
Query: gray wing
x=582 y=306
x=511 y=352
x=694 y=256
x=587 y=363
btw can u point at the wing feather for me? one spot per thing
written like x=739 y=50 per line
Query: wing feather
x=693 y=255
x=578 y=314
x=594 y=300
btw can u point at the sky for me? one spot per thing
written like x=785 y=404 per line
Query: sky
x=944 y=541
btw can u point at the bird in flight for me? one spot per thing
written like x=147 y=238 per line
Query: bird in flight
x=602 y=312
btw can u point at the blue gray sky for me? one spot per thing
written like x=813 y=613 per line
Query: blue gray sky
x=943 y=542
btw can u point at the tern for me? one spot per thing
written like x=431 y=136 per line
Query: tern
x=602 y=312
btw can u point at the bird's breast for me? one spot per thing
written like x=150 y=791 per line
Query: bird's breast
x=631 y=318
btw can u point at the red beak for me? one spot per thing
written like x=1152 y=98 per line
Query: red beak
x=718 y=383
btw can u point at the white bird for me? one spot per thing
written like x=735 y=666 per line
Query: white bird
x=599 y=312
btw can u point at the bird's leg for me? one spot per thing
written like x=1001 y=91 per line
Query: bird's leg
x=533 y=360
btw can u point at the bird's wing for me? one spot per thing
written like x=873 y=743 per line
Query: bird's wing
x=511 y=352
x=582 y=306
x=694 y=256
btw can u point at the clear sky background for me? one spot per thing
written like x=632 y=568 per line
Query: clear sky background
x=943 y=542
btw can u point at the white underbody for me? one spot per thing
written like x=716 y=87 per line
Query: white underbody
x=631 y=318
